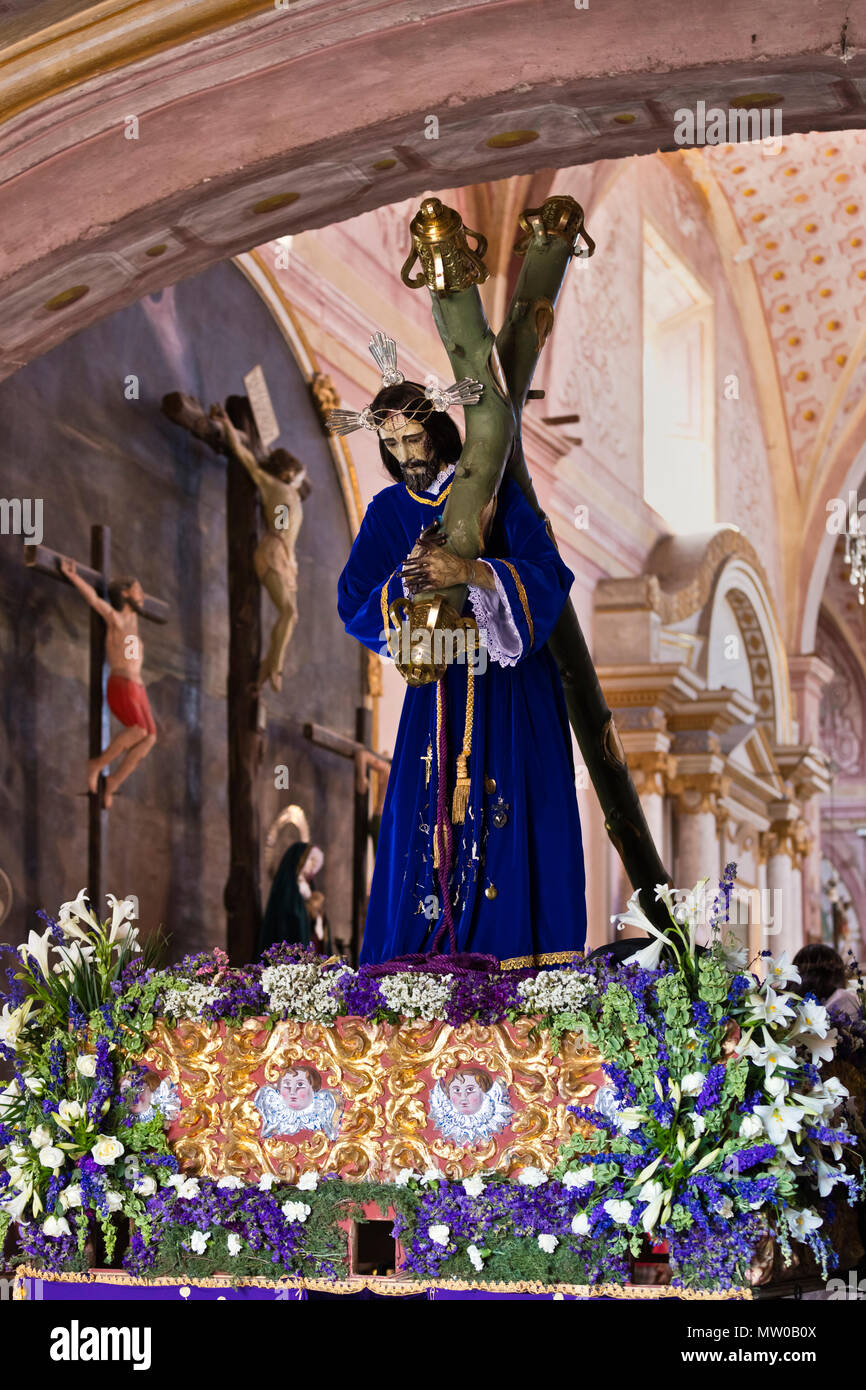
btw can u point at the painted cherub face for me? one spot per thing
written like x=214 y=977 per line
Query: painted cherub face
x=142 y=1100
x=296 y=1090
x=466 y=1095
x=412 y=448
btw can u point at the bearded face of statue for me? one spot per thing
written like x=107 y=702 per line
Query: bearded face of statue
x=412 y=448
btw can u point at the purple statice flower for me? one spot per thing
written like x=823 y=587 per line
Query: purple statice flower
x=483 y=996
x=77 y=1016
x=750 y=1158
x=711 y=1090
x=361 y=995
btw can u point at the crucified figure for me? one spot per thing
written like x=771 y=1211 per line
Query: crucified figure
x=126 y=695
x=282 y=484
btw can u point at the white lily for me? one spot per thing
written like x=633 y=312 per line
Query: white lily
x=76 y=912
x=800 y=1223
x=812 y=1018
x=36 y=948
x=771 y=1007
x=778 y=1120
x=72 y=957
x=13 y=1022
x=782 y=972
x=820 y=1049
x=828 y=1176
x=634 y=916
x=15 y=1207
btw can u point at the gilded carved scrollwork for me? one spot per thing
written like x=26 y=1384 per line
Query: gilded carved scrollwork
x=376 y=1082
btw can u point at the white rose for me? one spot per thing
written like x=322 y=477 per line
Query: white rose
x=235 y=1244
x=189 y=1188
x=547 y=1243
x=618 y=1211
x=579 y=1177
x=308 y=1182
x=580 y=1224
x=474 y=1186
x=70 y=1196
x=144 y=1186
x=230 y=1182
x=531 y=1177
x=430 y=1175
x=295 y=1211
x=750 y=1127
x=476 y=1259
x=440 y=1235
x=107 y=1150
x=114 y=1200
x=198 y=1241
x=266 y=1182
x=51 y=1157
x=56 y=1226
x=70 y=1110
x=404 y=1177
x=85 y=1063
x=693 y=1084
x=40 y=1136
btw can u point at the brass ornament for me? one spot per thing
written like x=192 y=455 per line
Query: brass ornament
x=559 y=216
x=439 y=243
x=436 y=634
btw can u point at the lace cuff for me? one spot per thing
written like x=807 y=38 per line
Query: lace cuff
x=492 y=613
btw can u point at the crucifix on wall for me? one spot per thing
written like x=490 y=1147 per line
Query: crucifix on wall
x=243 y=430
x=116 y=606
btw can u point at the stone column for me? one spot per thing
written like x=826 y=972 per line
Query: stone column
x=805 y=765
x=781 y=907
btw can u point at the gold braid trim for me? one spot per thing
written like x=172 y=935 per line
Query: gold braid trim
x=549 y=958
x=431 y=501
x=385 y=1284
x=383 y=603
x=521 y=593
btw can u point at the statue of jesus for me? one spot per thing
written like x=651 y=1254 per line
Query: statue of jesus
x=126 y=695
x=282 y=485
x=516 y=887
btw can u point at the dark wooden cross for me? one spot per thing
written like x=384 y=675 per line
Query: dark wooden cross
x=45 y=561
x=364 y=759
x=246 y=711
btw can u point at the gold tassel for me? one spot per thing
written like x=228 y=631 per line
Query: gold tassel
x=436 y=847
x=460 y=799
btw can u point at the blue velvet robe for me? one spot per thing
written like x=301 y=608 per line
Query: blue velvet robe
x=517 y=885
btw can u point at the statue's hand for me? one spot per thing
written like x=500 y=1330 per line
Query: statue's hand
x=232 y=438
x=435 y=569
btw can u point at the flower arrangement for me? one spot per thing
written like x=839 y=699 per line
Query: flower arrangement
x=715 y=1127
x=67 y=1140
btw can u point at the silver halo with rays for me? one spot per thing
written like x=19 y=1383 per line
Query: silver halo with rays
x=383 y=350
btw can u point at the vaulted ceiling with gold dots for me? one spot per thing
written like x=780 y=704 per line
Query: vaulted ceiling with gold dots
x=141 y=142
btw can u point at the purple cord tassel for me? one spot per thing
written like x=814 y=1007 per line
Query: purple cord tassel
x=443 y=827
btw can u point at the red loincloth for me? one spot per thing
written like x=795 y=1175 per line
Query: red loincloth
x=128 y=701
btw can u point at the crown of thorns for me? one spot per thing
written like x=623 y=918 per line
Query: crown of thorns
x=436 y=398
